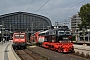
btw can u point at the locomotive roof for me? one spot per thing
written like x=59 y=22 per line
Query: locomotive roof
x=19 y=33
x=58 y=29
x=44 y=31
x=62 y=29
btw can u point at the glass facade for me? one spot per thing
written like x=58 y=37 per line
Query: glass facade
x=23 y=21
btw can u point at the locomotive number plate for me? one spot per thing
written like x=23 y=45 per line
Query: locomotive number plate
x=65 y=38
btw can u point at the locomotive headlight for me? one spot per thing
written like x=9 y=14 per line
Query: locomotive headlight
x=70 y=37
x=22 y=39
x=70 y=41
x=60 y=41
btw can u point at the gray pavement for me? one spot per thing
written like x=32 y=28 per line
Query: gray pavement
x=6 y=52
x=3 y=50
x=82 y=49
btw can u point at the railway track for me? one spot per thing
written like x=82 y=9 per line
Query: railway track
x=29 y=55
x=24 y=55
x=39 y=53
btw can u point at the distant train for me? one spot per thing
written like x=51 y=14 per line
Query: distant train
x=19 y=40
x=58 y=39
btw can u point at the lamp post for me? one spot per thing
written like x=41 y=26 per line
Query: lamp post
x=84 y=34
x=27 y=34
x=0 y=31
x=32 y=28
x=0 y=28
x=43 y=26
x=6 y=35
x=10 y=31
x=88 y=34
x=10 y=27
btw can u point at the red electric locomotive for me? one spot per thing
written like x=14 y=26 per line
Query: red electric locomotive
x=41 y=37
x=59 y=39
x=19 y=40
x=34 y=38
x=38 y=37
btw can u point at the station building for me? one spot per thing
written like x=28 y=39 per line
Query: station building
x=23 y=21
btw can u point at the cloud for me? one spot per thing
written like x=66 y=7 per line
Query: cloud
x=56 y=10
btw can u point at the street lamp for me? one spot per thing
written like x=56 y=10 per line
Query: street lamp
x=10 y=27
x=6 y=35
x=88 y=34
x=0 y=32
x=10 y=32
x=27 y=34
x=76 y=35
x=84 y=34
x=0 y=28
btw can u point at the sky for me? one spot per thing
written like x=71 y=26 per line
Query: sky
x=56 y=10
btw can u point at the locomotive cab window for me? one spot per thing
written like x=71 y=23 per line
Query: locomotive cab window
x=67 y=32
x=61 y=32
x=21 y=36
x=16 y=36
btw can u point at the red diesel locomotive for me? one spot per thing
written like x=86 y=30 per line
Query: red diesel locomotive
x=19 y=40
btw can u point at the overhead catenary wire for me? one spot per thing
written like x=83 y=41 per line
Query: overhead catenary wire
x=42 y=6
x=72 y=7
x=30 y=5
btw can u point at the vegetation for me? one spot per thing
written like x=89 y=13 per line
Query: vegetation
x=85 y=16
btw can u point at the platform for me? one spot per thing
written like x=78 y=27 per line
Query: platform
x=6 y=52
x=82 y=49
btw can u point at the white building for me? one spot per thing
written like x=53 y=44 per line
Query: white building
x=75 y=21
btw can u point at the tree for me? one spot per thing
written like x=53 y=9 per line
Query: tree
x=85 y=16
